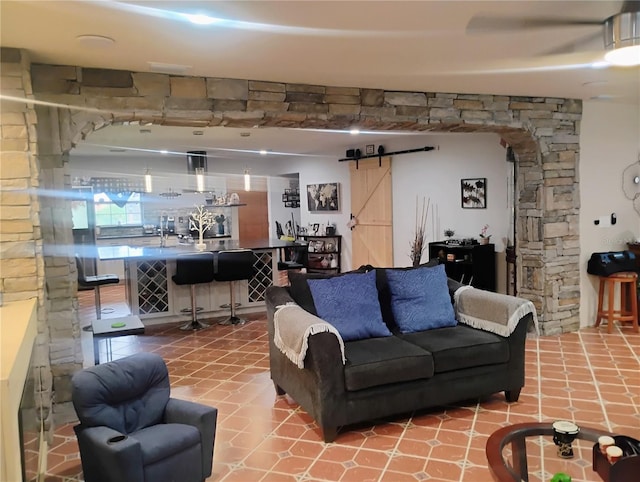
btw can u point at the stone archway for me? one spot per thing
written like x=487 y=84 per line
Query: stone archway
x=543 y=133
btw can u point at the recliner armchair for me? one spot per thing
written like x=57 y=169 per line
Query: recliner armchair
x=131 y=430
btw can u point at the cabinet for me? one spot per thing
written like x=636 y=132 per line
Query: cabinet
x=323 y=253
x=473 y=264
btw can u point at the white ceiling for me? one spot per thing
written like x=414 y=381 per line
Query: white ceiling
x=398 y=45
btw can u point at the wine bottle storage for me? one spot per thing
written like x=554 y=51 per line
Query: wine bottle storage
x=153 y=293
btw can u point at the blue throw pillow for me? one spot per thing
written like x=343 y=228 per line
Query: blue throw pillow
x=350 y=303
x=420 y=299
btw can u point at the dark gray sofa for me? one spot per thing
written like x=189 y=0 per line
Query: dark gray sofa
x=398 y=374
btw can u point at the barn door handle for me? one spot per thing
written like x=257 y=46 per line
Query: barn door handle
x=352 y=222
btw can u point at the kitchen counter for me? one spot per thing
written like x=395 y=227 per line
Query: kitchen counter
x=151 y=294
x=107 y=253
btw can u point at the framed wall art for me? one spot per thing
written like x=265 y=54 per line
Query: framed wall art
x=473 y=193
x=323 y=197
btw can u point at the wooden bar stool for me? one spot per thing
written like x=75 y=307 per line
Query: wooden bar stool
x=628 y=306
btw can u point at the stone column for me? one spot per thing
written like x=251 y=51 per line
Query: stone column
x=22 y=266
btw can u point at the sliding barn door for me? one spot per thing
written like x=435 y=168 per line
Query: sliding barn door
x=372 y=237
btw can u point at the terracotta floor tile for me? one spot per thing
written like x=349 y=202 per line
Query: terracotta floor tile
x=326 y=470
x=589 y=377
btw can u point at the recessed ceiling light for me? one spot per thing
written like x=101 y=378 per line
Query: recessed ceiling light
x=145 y=131
x=245 y=134
x=198 y=133
x=117 y=150
x=95 y=41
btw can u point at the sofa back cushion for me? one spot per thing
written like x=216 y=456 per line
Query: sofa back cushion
x=350 y=303
x=420 y=299
x=126 y=395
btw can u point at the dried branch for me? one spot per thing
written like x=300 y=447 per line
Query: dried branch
x=418 y=245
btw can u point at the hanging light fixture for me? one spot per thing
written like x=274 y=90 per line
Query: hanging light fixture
x=148 y=181
x=247 y=180
x=200 y=179
x=622 y=36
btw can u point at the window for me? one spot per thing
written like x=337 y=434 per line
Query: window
x=109 y=214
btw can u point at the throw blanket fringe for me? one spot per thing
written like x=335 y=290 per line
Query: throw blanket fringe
x=292 y=328
x=490 y=311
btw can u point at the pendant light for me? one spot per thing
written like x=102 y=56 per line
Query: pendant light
x=200 y=179
x=148 y=181
x=247 y=180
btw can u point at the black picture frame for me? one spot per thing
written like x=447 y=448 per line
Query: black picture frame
x=323 y=197
x=288 y=204
x=473 y=193
x=285 y=198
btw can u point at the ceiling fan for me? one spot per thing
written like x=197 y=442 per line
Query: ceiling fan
x=621 y=32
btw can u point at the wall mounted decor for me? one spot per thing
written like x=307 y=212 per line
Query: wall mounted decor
x=291 y=198
x=323 y=197
x=473 y=193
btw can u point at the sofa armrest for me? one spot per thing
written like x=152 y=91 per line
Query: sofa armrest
x=202 y=417
x=109 y=455
x=489 y=311
x=320 y=385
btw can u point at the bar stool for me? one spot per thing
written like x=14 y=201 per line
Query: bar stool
x=193 y=269
x=232 y=266
x=628 y=285
x=94 y=282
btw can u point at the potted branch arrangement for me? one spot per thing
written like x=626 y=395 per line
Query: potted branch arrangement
x=418 y=245
x=200 y=220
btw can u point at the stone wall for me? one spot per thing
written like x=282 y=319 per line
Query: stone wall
x=542 y=131
x=22 y=263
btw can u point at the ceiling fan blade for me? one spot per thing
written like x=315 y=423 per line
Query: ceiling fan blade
x=480 y=24
x=574 y=46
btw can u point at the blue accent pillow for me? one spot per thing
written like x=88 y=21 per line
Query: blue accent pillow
x=350 y=303
x=420 y=299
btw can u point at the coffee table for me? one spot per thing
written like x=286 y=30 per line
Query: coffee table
x=516 y=453
x=112 y=327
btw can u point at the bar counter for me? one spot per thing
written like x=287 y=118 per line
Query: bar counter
x=109 y=253
x=155 y=298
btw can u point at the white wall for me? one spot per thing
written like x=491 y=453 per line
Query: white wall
x=609 y=142
x=435 y=174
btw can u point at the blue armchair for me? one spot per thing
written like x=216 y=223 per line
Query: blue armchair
x=131 y=430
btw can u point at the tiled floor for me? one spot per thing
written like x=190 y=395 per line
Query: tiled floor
x=588 y=377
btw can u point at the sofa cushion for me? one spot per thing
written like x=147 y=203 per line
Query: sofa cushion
x=384 y=295
x=380 y=361
x=350 y=303
x=420 y=299
x=460 y=346
x=299 y=288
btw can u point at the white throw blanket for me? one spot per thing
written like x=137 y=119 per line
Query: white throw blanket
x=490 y=311
x=292 y=328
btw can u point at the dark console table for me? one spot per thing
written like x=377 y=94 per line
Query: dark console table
x=473 y=264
